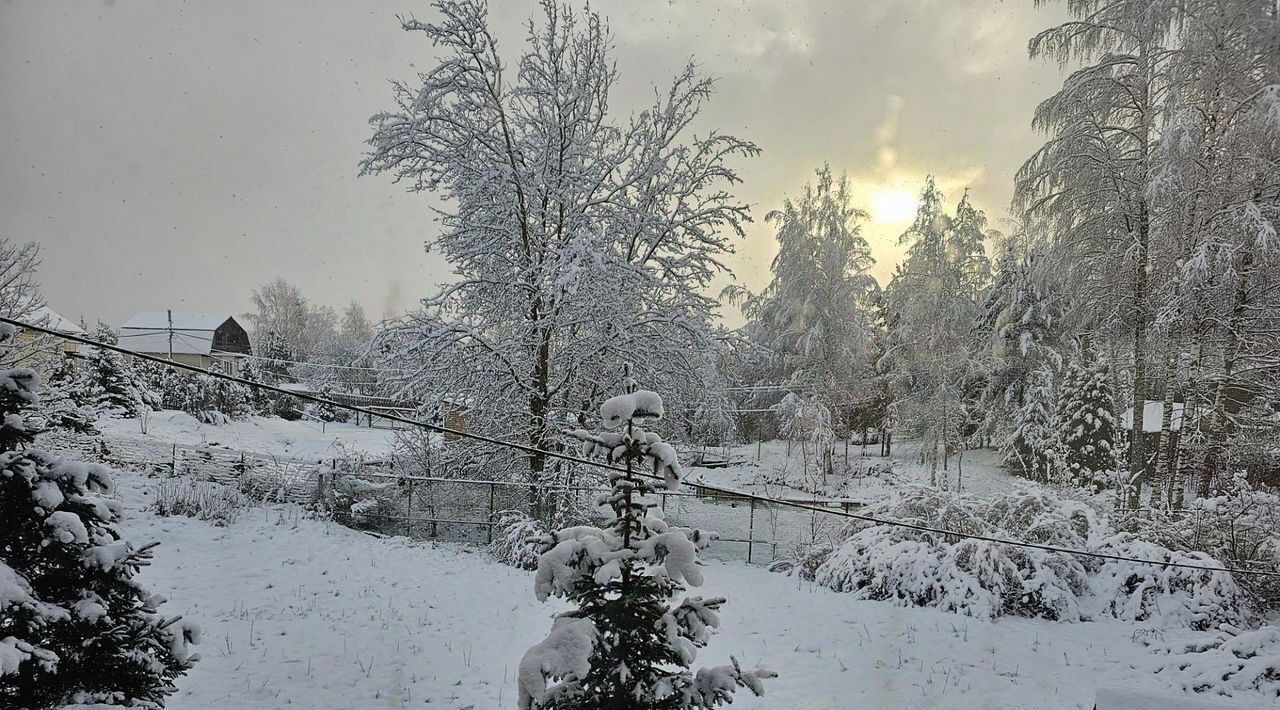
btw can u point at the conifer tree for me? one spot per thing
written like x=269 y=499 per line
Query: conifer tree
x=1032 y=445
x=1086 y=423
x=75 y=626
x=60 y=405
x=624 y=647
x=117 y=389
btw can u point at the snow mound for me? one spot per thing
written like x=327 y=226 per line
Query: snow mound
x=635 y=406
x=564 y=653
x=1231 y=662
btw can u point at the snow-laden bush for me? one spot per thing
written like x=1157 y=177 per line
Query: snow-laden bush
x=1172 y=595
x=989 y=579
x=350 y=499
x=205 y=500
x=972 y=577
x=519 y=540
x=1240 y=526
x=209 y=399
x=75 y=624
x=1230 y=661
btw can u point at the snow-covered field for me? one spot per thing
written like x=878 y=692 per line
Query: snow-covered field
x=773 y=468
x=303 y=439
x=298 y=612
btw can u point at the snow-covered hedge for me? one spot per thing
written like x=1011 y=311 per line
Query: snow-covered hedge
x=1240 y=526
x=987 y=579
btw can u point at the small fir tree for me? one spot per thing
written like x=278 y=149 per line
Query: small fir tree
x=1086 y=423
x=117 y=389
x=624 y=646
x=75 y=626
x=1032 y=446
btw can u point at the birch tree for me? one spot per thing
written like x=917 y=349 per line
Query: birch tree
x=1089 y=180
x=934 y=300
x=579 y=240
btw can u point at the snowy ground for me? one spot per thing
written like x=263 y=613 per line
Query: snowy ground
x=301 y=613
x=302 y=439
x=775 y=469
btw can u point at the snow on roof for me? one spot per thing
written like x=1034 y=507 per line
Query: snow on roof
x=152 y=320
x=53 y=320
x=187 y=342
x=1152 y=416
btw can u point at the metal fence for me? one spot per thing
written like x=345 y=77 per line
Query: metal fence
x=460 y=509
x=469 y=510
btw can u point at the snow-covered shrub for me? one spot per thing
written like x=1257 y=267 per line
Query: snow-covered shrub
x=326 y=412
x=63 y=401
x=205 y=500
x=1240 y=526
x=519 y=540
x=75 y=625
x=804 y=560
x=1231 y=661
x=624 y=645
x=971 y=577
x=1172 y=595
x=988 y=579
x=209 y=399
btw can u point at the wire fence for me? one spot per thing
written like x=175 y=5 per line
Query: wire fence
x=379 y=496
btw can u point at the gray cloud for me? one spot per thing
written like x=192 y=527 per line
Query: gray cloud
x=177 y=154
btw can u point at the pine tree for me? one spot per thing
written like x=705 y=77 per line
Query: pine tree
x=117 y=389
x=1086 y=423
x=1020 y=397
x=60 y=405
x=1032 y=445
x=624 y=647
x=74 y=624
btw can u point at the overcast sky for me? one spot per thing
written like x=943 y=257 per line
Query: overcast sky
x=177 y=154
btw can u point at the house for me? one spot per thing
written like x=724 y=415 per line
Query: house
x=37 y=350
x=204 y=340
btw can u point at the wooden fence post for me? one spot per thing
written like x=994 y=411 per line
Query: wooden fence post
x=751 y=530
x=173 y=463
x=492 y=486
x=408 y=512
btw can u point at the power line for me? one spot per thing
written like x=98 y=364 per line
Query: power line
x=575 y=459
x=194 y=339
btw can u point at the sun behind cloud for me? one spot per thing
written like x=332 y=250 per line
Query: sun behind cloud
x=893 y=206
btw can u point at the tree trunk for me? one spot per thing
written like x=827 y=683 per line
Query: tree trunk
x=1141 y=316
x=1159 y=473
x=1218 y=423
x=1180 y=469
x=1137 y=446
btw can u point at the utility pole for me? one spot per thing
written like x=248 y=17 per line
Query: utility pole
x=170 y=335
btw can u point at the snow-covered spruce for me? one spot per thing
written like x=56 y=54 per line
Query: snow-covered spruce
x=1086 y=423
x=987 y=580
x=74 y=624
x=116 y=388
x=625 y=646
